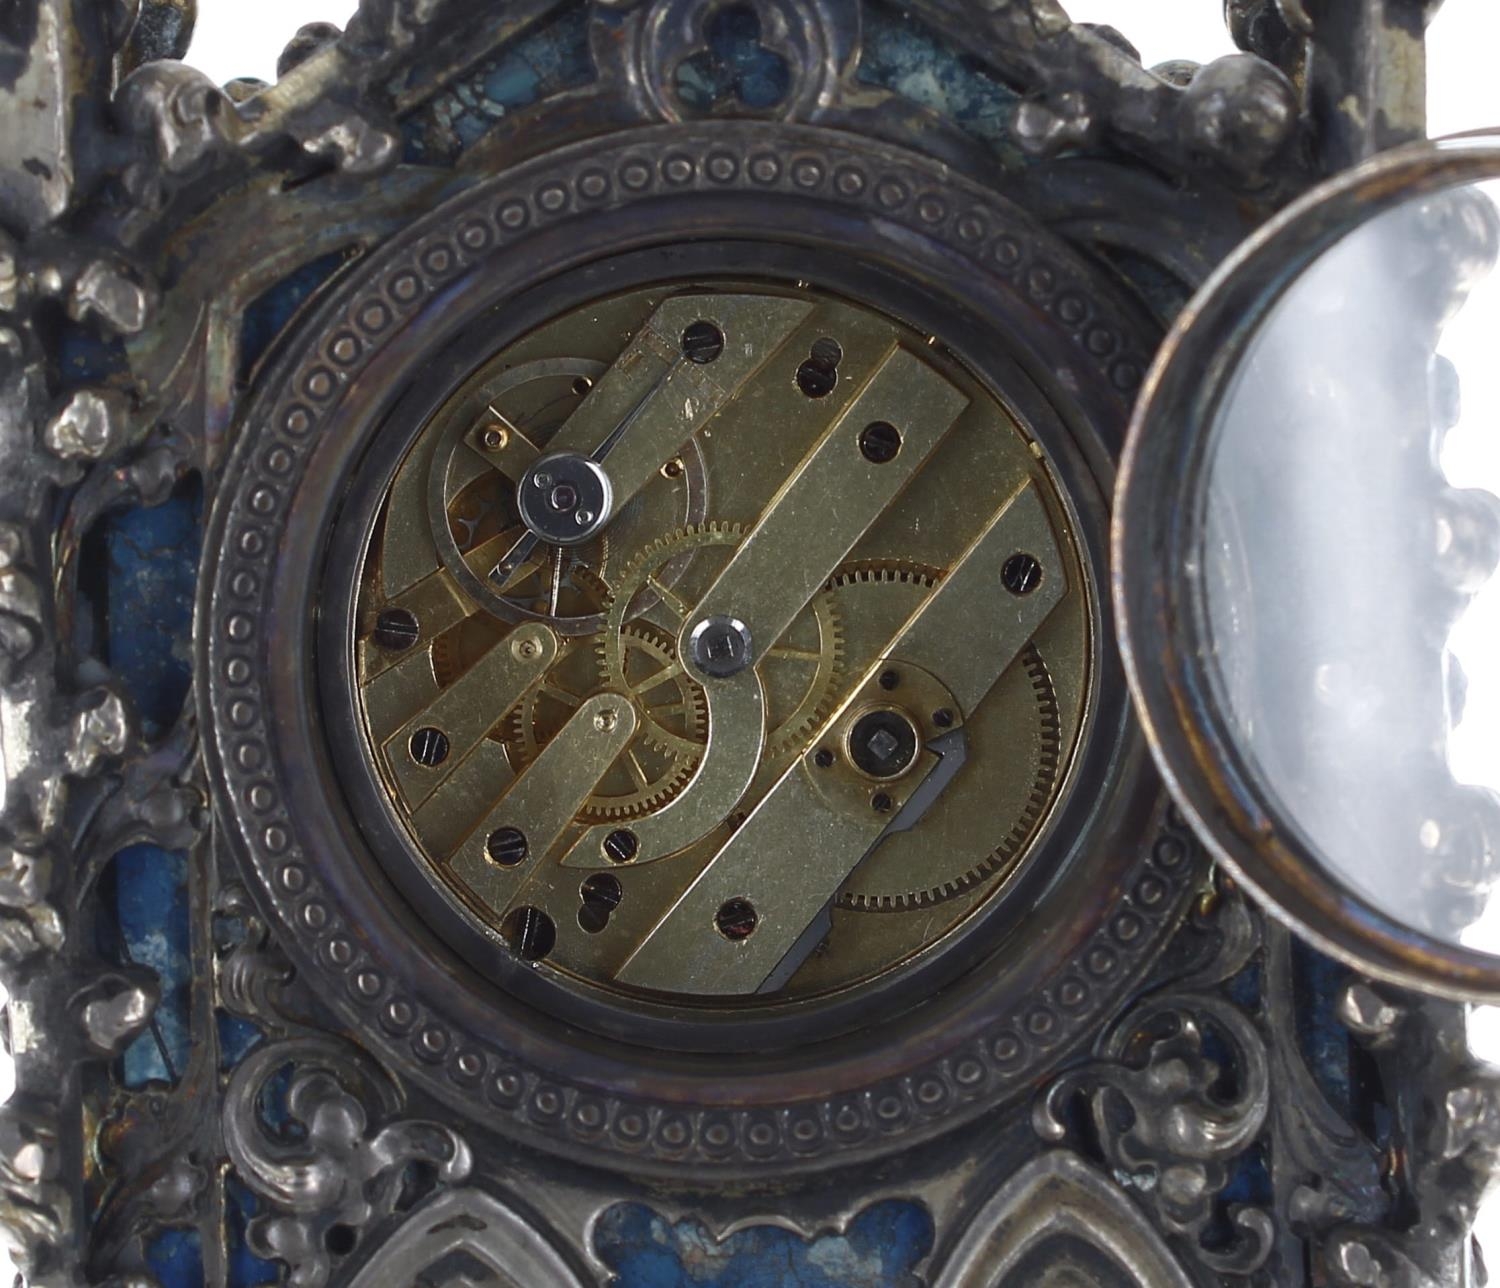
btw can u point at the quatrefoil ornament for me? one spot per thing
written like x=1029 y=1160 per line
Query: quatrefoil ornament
x=685 y=59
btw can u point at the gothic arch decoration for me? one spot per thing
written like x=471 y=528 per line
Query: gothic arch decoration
x=1059 y=1220
x=468 y=1236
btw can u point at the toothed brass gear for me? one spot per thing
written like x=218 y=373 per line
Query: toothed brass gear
x=646 y=776
x=1023 y=711
x=815 y=642
x=1018 y=724
x=678 y=727
x=639 y=591
x=797 y=702
x=887 y=572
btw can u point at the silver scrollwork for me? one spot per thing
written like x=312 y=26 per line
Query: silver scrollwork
x=326 y=1189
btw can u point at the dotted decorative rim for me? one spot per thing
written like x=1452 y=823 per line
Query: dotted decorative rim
x=255 y=503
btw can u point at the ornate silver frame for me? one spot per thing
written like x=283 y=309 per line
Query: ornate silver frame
x=1169 y=1091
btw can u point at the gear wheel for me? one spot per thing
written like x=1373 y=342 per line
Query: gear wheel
x=934 y=863
x=647 y=775
x=886 y=572
x=1029 y=716
x=813 y=643
x=801 y=671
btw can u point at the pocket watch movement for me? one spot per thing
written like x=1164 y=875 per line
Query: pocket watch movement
x=721 y=643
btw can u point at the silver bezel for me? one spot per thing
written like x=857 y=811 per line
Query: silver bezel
x=1156 y=502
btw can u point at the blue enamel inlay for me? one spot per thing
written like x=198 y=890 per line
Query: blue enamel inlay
x=903 y=55
x=553 y=58
x=237 y=1038
x=882 y=1248
x=1244 y=988
x=175 y=1257
x=266 y=316
x=1250 y=1182
x=152 y=911
x=151 y=579
x=84 y=357
x=1324 y=1040
x=1249 y=1186
x=246 y=1270
x=734 y=68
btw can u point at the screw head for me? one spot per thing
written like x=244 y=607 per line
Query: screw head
x=882 y=803
x=600 y=895
x=720 y=646
x=529 y=933
x=702 y=342
x=396 y=629
x=428 y=746
x=506 y=847
x=603 y=889
x=621 y=845
x=494 y=438
x=565 y=499
x=880 y=442
x=1021 y=573
x=816 y=379
x=736 y=919
x=818 y=376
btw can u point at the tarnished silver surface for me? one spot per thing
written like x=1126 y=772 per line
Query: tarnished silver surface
x=1110 y=1096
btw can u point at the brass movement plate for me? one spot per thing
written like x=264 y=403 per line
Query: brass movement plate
x=903 y=576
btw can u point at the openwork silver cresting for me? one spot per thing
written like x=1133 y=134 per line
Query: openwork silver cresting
x=238 y=288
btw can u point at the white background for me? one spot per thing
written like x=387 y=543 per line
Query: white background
x=234 y=39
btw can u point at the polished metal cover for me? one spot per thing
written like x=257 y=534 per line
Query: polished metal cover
x=1391 y=870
